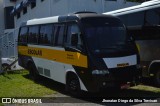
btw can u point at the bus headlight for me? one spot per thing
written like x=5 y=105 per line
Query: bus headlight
x=100 y=72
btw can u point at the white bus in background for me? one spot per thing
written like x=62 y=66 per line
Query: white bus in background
x=143 y=23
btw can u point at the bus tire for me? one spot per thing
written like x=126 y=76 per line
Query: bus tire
x=157 y=78
x=33 y=73
x=73 y=85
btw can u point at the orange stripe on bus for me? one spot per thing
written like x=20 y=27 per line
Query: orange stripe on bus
x=68 y=57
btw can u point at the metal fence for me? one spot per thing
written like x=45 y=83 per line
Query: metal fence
x=8 y=48
x=8 y=45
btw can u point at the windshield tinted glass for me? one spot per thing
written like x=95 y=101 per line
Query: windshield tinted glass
x=104 y=32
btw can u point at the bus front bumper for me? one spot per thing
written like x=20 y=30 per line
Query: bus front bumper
x=120 y=77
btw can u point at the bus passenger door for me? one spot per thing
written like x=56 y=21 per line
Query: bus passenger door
x=58 y=73
x=72 y=44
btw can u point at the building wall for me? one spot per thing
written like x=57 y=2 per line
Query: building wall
x=118 y=4
x=82 y=5
x=7 y=3
x=6 y=39
x=41 y=10
x=60 y=7
x=3 y=5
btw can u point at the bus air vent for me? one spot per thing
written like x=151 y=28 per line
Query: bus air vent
x=40 y=70
x=47 y=73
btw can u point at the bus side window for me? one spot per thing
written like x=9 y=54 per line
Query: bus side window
x=59 y=34
x=33 y=34
x=46 y=33
x=73 y=30
x=23 y=35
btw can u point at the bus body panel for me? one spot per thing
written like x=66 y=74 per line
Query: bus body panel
x=55 y=70
x=121 y=61
x=48 y=66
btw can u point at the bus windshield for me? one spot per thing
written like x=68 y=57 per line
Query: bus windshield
x=103 y=33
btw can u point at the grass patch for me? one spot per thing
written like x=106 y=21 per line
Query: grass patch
x=147 y=88
x=16 y=85
x=141 y=91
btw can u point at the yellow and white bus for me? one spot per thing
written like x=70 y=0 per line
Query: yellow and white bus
x=85 y=51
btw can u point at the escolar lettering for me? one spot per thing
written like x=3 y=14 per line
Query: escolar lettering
x=35 y=52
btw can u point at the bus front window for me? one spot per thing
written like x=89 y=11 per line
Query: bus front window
x=103 y=33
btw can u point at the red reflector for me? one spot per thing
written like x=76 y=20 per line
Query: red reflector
x=125 y=86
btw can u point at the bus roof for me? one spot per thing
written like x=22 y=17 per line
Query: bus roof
x=42 y=20
x=70 y=17
x=143 y=7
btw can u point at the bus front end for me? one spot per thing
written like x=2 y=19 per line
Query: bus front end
x=113 y=57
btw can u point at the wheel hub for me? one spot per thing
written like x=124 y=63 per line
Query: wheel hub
x=73 y=85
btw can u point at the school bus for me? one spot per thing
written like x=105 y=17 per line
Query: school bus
x=85 y=51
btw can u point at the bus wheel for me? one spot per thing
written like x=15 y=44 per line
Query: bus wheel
x=157 y=78
x=73 y=85
x=33 y=73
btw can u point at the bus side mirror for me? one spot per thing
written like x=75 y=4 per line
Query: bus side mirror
x=74 y=39
x=131 y=38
